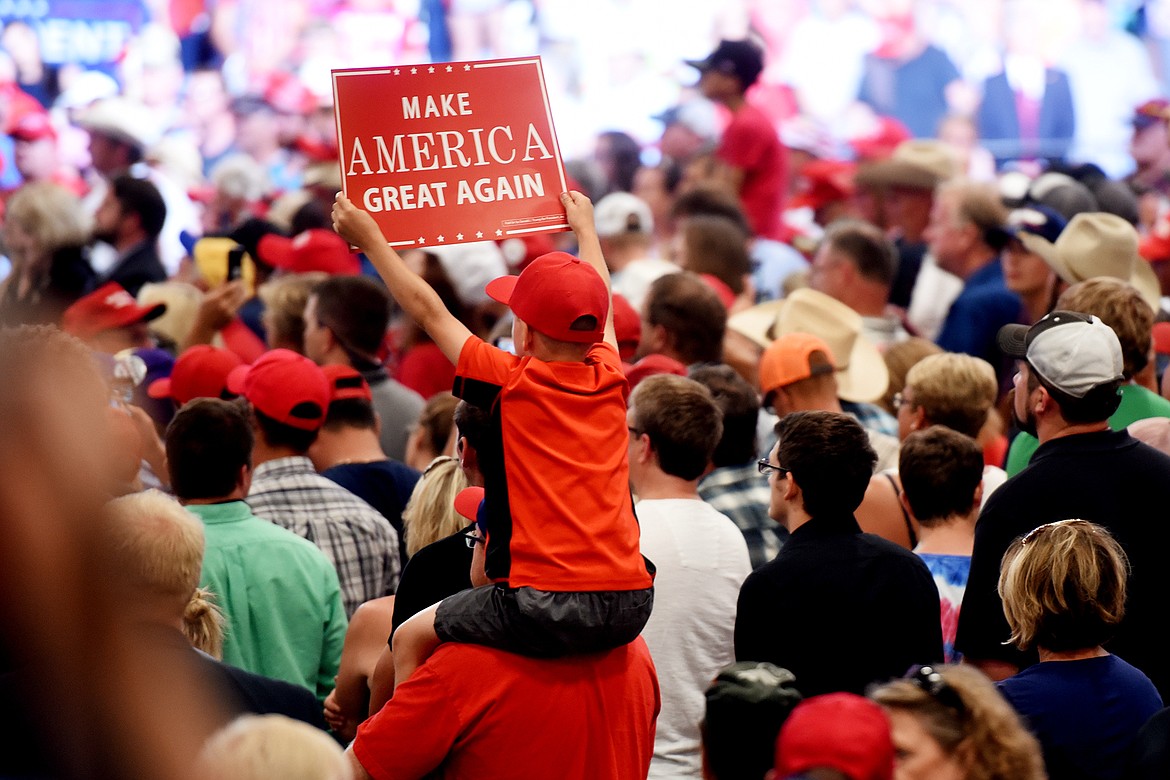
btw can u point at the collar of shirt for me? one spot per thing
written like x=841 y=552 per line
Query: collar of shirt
x=226 y=512
x=295 y=464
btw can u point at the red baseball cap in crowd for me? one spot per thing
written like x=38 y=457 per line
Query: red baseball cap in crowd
x=653 y=364
x=345 y=383
x=557 y=295
x=200 y=372
x=285 y=386
x=316 y=249
x=107 y=307
x=34 y=126
x=825 y=182
x=627 y=326
x=841 y=731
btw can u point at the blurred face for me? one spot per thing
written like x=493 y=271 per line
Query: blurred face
x=1149 y=144
x=947 y=237
x=36 y=160
x=114 y=340
x=778 y=482
x=829 y=272
x=1022 y=410
x=107 y=219
x=1025 y=272
x=22 y=247
x=918 y=755
x=906 y=411
x=316 y=335
x=106 y=154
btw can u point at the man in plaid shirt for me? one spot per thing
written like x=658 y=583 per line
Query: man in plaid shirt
x=289 y=396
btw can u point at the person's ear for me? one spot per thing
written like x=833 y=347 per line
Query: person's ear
x=917 y=418
x=978 y=499
x=244 y=480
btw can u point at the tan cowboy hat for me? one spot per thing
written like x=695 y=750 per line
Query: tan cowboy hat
x=862 y=375
x=122 y=119
x=1100 y=244
x=919 y=164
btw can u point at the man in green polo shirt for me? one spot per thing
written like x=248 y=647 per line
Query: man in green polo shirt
x=279 y=592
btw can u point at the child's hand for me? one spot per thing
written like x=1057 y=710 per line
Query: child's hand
x=354 y=225
x=579 y=210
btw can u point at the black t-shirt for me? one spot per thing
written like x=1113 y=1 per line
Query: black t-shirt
x=439 y=570
x=1108 y=478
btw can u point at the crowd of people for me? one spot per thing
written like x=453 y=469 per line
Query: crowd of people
x=783 y=461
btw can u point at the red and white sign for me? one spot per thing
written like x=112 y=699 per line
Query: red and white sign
x=447 y=153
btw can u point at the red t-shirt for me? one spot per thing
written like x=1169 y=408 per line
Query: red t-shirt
x=485 y=714
x=750 y=143
x=425 y=369
x=556 y=469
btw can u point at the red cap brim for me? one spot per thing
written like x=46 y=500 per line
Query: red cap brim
x=467 y=502
x=501 y=289
x=160 y=388
x=235 y=380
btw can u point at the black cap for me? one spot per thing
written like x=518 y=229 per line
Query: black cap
x=1014 y=339
x=742 y=59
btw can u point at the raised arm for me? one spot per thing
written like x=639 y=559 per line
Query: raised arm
x=414 y=295
x=579 y=210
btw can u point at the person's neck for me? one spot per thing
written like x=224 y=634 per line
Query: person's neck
x=263 y=452
x=977 y=259
x=1071 y=655
x=867 y=299
x=346 y=445
x=619 y=255
x=953 y=536
x=236 y=495
x=1037 y=302
x=128 y=241
x=1059 y=428
x=657 y=484
x=734 y=102
x=795 y=518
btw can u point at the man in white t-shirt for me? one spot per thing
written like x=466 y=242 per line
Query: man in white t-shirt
x=701 y=557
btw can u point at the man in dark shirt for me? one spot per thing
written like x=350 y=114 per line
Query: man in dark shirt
x=1070 y=368
x=838 y=608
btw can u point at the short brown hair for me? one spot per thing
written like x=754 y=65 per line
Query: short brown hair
x=716 y=245
x=867 y=248
x=1063 y=586
x=1120 y=306
x=692 y=315
x=940 y=470
x=682 y=420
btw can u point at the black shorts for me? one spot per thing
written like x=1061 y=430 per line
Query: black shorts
x=544 y=624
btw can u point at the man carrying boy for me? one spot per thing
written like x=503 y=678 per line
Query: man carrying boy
x=564 y=541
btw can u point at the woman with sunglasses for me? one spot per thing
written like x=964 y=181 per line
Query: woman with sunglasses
x=1063 y=590
x=950 y=723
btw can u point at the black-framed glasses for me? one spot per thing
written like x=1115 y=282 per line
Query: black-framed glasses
x=766 y=468
x=930 y=680
x=471 y=539
x=898 y=401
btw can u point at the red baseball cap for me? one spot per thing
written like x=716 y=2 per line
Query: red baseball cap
x=107 y=307
x=627 y=326
x=841 y=731
x=653 y=364
x=285 y=386
x=826 y=181
x=552 y=293
x=467 y=502
x=316 y=249
x=200 y=372
x=34 y=126
x=346 y=382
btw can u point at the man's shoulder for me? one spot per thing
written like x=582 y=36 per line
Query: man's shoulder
x=458 y=659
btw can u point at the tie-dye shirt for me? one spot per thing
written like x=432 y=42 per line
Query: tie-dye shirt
x=950 y=576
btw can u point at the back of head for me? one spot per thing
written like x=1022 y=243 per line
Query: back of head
x=156 y=546
x=1063 y=586
x=691 y=314
x=682 y=420
x=430 y=513
x=357 y=310
x=747 y=703
x=1120 y=306
x=716 y=245
x=940 y=470
x=284 y=300
x=740 y=405
x=867 y=248
x=49 y=214
x=141 y=197
x=830 y=457
x=259 y=747
x=840 y=731
x=899 y=358
x=207 y=442
x=436 y=419
x=979 y=204
x=954 y=390
x=964 y=712
x=710 y=201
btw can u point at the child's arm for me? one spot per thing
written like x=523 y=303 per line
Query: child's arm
x=579 y=210
x=414 y=295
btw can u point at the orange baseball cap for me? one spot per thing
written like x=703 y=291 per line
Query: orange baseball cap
x=786 y=360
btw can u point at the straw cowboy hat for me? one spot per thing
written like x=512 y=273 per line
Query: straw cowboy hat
x=918 y=164
x=1100 y=244
x=862 y=375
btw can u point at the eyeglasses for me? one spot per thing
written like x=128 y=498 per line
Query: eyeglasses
x=471 y=539
x=930 y=680
x=899 y=400
x=767 y=468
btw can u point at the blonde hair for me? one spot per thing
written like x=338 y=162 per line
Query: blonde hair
x=203 y=623
x=284 y=299
x=182 y=302
x=954 y=390
x=1063 y=586
x=986 y=736
x=430 y=513
x=900 y=357
x=157 y=545
x=259 y=747
x=50 y=214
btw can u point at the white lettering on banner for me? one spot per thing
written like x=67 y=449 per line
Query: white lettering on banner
x=407 y=152
x=445 y=106
x=406 y=197
x=527 y=185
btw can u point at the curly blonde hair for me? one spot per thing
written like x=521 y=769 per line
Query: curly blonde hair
x=986 y=736
x=1063 y=586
